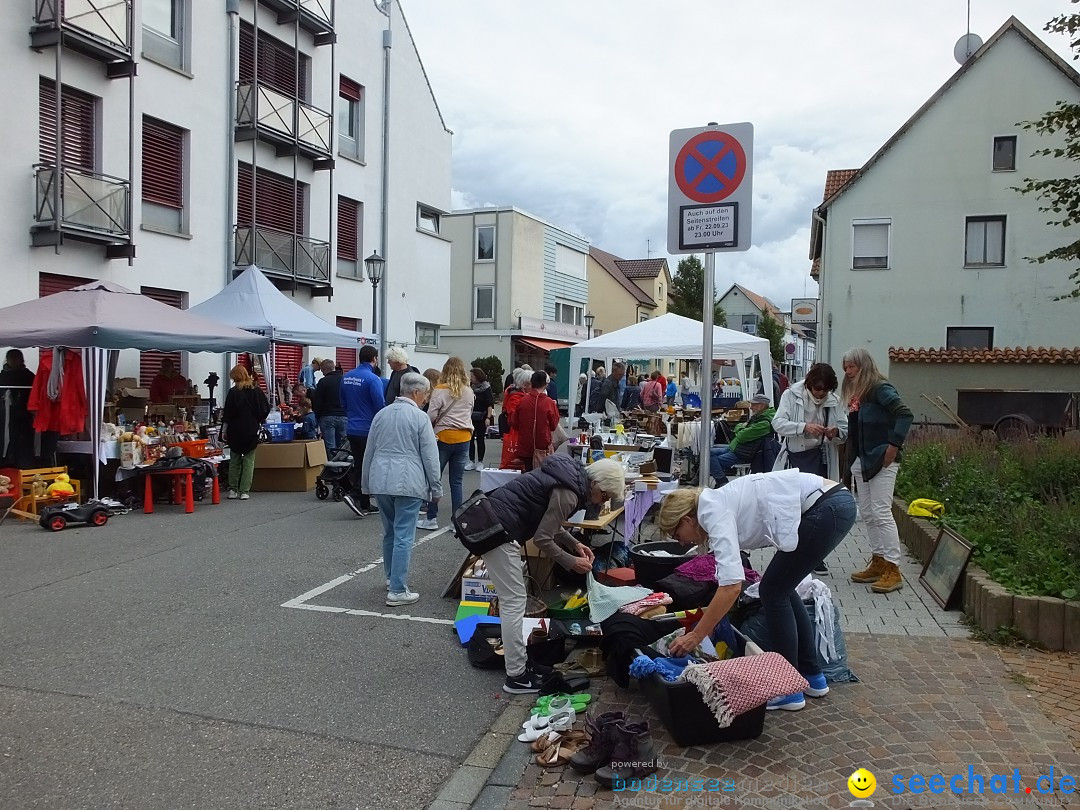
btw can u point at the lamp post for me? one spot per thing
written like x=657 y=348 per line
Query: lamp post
x=590 y=319
x=375 y=265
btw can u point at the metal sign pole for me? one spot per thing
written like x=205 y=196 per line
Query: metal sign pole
x=706 y=437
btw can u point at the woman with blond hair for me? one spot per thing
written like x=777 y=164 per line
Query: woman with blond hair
x=450 y=410
x=245 y=409
x=804 y=516
x=878 y=422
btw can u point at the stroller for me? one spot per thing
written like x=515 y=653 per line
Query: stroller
x=335 y=474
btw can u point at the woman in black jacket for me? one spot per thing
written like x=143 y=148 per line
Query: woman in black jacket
x=483 y=408
x=245 y=409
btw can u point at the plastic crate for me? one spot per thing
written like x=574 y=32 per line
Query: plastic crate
x=281 y=431
x=651 y=570
x=690 y=722
x=193 y=449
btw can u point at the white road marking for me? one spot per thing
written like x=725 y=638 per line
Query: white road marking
x=300 y=602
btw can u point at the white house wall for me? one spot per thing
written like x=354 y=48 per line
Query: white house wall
x=933 y=177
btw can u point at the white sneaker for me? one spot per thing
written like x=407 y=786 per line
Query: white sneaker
x=428 y=525
x=244 y=496
x=399 y=599
x=479 y=466
x=232 y=496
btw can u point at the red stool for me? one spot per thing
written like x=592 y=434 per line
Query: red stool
x=182 y=486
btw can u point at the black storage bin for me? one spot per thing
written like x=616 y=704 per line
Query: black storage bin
x=689 y=721
x=650 y=570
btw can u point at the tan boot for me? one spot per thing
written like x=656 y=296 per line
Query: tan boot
x=890 y=581
x=872 y=572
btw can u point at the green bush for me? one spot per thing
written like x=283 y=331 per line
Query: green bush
x=492 y=366
x=1018 y=504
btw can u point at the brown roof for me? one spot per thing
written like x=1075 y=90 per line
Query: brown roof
x=641 y=268
x=611 y=262
x=836 y=179
x=761 y=302
x=1031 y=354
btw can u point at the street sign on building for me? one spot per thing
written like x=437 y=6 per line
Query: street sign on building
x=710 y=188
x=804 y=310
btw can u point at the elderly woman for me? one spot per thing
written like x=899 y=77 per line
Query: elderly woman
x=803 y=516
x=512 y=397
x=534 y=506
x=401 y=469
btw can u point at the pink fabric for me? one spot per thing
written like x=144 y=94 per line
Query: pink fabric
x=650 y=601
x=738 y=685
x=700 y=569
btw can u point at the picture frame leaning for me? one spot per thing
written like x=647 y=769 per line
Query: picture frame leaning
x=943 y=570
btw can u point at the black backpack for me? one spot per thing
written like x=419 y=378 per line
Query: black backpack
x=477 y=526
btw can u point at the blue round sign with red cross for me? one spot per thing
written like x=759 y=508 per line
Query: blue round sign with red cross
x=710 y=166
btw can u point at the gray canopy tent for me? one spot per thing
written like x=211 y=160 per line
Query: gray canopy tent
x=101 y=317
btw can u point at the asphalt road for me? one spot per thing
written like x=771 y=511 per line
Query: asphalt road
x=150 y=663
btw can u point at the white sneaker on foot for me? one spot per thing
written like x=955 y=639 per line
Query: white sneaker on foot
x=244 y=496
x=399 y=599
x=232 y=496
x=428 y=525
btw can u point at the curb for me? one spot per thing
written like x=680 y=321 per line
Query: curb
x=493 y=768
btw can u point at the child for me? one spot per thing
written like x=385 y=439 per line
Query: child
x=309 y=425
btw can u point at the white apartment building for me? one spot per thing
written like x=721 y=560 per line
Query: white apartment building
x=192 y=138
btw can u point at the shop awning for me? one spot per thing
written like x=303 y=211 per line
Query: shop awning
x=545 y=345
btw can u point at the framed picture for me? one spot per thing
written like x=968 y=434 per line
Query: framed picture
x=946 y=565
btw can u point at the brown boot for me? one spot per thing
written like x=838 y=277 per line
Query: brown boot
x=633 y=756
x=872 y=572
x=890 y=580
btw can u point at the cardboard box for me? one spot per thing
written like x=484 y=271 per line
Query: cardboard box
x=288 y=466
x=131 y=455
x=477 y=589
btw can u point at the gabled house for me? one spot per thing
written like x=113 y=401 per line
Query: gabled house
x=744 y=309
x=926 y=244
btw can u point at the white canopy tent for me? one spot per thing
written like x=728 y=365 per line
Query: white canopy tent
x=675 y=336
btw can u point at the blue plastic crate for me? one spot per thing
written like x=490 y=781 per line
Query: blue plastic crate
x=281 y=431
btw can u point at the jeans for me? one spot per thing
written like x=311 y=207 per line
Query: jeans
x=504 y=567
x=456 y=455
x=822 y=528
x=333 y=432
x=358 y=444
x=721 y=461
x=478 y=444
x=398 y=515
x=875 y=505
x=241 y=470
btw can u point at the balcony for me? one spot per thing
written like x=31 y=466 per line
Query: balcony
x=89 y=207
x=283 y=255
x=99 y=29
x=316 y=17
x=292 y=126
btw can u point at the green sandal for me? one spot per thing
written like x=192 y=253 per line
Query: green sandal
x=578 y=701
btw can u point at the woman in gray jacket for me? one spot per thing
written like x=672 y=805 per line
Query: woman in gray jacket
x=401 y=471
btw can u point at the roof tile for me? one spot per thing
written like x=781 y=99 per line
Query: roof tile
x=1009 y=354
x=836 y=179
x=641 y=268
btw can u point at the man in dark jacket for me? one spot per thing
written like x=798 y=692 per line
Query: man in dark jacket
x=362 y=395
x=16 y=423
x=329 y=407
x=398 y=360
x=552 y=387
x=534 y=506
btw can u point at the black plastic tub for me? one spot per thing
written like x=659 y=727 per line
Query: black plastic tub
x=651 y=570
x=690 y=721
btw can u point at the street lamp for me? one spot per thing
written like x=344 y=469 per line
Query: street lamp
x=375 y=265
x=590 y=319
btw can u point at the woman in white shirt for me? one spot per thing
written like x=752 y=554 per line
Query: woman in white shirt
x=811 y=424
x=803 y=516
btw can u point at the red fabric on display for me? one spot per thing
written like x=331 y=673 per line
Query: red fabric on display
x=68 y=413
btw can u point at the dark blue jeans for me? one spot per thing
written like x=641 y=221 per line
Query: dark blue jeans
x=454 y=455
x=821 y=530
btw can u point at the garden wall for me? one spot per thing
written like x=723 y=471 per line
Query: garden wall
x=1052 y=623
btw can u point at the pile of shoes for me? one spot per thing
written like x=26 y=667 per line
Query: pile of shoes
x=619 y=749
x=550 y=731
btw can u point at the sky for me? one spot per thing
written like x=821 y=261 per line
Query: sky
x=563 y=108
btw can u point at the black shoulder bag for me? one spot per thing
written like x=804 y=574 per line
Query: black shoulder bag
x=477 y=526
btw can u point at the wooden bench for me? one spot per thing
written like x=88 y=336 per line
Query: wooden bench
x=28 y=505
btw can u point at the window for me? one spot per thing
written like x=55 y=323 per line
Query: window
x=870 y=244
x=350 y=119
x=163 y=175
x=749 y=324
x=984 y=242
x=484 y=304
x=280 y=67
x=969 y=337
x=659 y=292
x=78 y=127
x=566 y=312
x=274 y=204
x=427 y=335
x=150 y=361
x=485 y=243
x=1005 y=153
x=343 y=355
x=570 y=262
x=642 y=317
x=349 y=242
x=164 y=23
x=427 y=219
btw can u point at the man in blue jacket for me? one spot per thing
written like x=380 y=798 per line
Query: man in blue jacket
x=362 y=396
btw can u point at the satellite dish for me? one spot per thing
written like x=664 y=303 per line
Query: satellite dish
x=966 y=46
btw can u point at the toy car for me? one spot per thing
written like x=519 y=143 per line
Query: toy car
x=58 y=518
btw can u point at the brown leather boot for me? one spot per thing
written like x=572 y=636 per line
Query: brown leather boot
x=890 y=580
x=872 y=572
x=632 y=758
x=601 y=731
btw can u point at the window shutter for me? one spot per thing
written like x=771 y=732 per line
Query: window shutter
x=162 y=164
x=274 y=195
x=346 y=357
x=76 y=126
x=871 y=241
x=277 y=63
x=288 y=359
x=349 y=89
x=50 y=283
x=150 y=361
x=348 y=229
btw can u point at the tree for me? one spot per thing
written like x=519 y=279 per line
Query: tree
x=688 y=293
x=491 y=366
x=769 y=327
x=1061 y=196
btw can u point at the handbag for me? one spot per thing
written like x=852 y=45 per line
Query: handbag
x=811 y=460
x=477 y=526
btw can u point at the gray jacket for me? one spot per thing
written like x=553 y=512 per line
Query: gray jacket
x=401 y=457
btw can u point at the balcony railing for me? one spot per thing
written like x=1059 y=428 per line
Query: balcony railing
x=316 y=16
x=92 y=206
x=287 y=122
x=100 y=29
x=283 y=254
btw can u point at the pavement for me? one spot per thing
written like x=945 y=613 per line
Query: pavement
x=931 y=701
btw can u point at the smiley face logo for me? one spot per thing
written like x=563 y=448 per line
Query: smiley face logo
x=862 y=784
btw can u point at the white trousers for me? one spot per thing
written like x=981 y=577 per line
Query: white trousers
x=504 y=566
x=875 y=505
